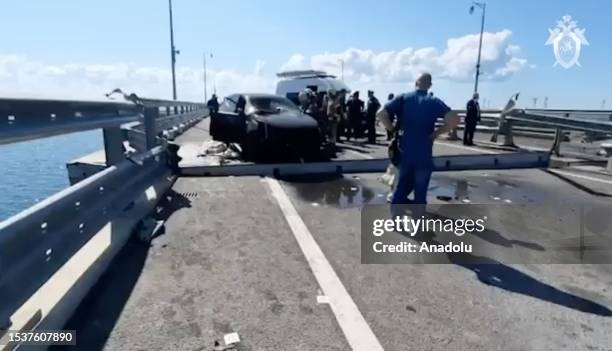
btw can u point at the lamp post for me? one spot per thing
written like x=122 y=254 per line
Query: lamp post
x=205 y=83
x=483 y=6
x=173 y=51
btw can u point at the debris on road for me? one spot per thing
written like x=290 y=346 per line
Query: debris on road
x=231 y=338
x=218 y=153
x=322 y=299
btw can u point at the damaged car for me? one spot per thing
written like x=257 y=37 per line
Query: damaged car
x=266 y=125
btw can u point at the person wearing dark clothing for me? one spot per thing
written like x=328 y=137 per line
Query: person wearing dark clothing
x=472 y=117
x=371 y=110
x=354 y=112
x=213 y=105
x=240 y=105
x=390 y=132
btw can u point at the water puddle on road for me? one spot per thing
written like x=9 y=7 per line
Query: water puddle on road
x=343 y=192
x=352 y=191
x=477 y=189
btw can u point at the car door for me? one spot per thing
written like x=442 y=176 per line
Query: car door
x=227 y=125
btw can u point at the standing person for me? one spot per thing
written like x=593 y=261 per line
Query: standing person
x=354 y=111
x=390 y=132
x=417 y=113
x=472 y=116
x=213 y=105
x=334 y=114
x=371 y=110
x=343 y=122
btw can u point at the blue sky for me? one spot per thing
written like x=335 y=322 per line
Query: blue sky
x=69 y=48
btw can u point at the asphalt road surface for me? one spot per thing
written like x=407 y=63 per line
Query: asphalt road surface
x=278 y=262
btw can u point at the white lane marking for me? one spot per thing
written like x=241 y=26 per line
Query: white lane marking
x=581 y=176
x=355 y=328
x=465 y=147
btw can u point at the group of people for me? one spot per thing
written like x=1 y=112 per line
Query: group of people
x=410 y=118
x=341 y=117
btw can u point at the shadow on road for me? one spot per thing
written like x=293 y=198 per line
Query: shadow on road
x=96 y=316
x=497 y=274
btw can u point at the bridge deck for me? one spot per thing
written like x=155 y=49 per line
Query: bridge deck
x=229 y=261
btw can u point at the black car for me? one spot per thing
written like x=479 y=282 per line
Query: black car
x=266 y=124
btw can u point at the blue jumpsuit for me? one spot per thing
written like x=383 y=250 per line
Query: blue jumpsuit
x=417 y=113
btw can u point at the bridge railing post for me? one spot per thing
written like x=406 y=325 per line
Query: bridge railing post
x=150 y=115
x=508 y=134
x=113 y=145
x=556 y=146
x=608 y=149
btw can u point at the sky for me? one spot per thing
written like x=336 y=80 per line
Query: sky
x=83 y=49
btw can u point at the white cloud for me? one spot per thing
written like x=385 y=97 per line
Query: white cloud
x=295 y=62
x=499 y=60
x=21 y=76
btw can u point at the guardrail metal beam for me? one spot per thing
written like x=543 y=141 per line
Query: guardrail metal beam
x=563 y=122
x=27 y=119
x=537 y=159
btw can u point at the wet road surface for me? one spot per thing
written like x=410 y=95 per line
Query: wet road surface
x=232 y=258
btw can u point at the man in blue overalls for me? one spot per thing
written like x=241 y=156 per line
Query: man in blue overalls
x=417 y=113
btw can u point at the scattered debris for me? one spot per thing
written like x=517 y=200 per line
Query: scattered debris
x=322 y=299
x=496 y=198
x=467 y=201
x=212 y=147
x=231 y=338
x=508 y=201
x=216 y=152
x=315 y=204
x=444 y=198
x=219 y=347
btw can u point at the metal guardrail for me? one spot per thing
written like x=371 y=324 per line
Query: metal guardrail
x=553 y=119
x=441 y=164
x=37 y=242
x=26 y=119
x=545 y=119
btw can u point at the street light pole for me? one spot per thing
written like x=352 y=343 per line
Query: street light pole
x=173 y=52
x=205 y=85
x=483 y=6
